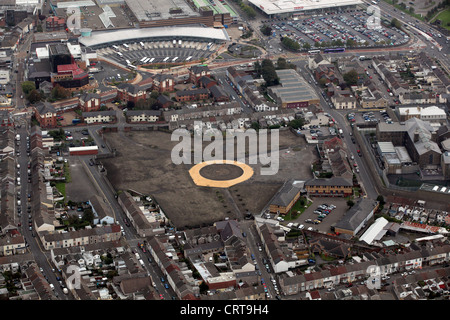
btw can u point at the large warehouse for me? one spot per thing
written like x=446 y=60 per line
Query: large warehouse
x=283 y=8
x=294 y=91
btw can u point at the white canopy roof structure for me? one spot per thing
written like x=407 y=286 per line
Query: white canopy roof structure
x=102 y=38
x=374 y=230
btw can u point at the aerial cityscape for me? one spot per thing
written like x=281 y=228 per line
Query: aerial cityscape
x=224 y=150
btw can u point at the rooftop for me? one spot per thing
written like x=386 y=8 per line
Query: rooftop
x=293 y=87
x=145 y=10
x=353 y=218
x=99 y=38
x=286 y=6
x=287 y=193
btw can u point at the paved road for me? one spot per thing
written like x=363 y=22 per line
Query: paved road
x=41 y=256
x=339 y=116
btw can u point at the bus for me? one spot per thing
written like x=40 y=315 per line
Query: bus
x=120 y=54
x=331 y=50
x=142 y=44
x=165 y=59
x=126 y=46
x=174 y=59
x=314 y=51
x=151 y=60
x=189 y=58
x=143 y=59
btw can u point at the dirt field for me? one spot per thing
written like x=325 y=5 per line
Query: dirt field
x=144 y=164
x=80 y=188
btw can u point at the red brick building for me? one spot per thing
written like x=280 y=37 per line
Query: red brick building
x=163 y=82
x=130 y=92
x=90 y=102
x=196 y=72
x=45 y=114
x=206 y=82
x=55 y=24
x=192 y=95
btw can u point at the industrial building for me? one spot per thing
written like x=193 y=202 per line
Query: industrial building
x=294 y=91
x=282 y=8
x=432 y=114
x=417 y=136
x=161 y=13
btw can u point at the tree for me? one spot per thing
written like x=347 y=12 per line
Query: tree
x=268 y=73
x=255 y=125
x=306 y=46
x=88 y=215
x=59 y=93
x=380 y=199
x=351 y=77
x=266 y=30
x=154 y=94
x=296 y=123
x=28 y=86
x=323 y=82
x=258 y=68
x=283 y=64
x=396 y=23
x=351 y=43
x=130 y=105
x=249 y=11
x=58 y=135
x=290 y=44
x=34 y=96
x=350 y=203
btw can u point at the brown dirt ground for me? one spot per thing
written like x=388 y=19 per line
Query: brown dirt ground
x=144 y=164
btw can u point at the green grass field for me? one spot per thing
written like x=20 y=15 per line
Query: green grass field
x=444 y=16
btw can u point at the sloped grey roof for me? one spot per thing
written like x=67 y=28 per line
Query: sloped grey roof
x=353 y=218
x=286 y=193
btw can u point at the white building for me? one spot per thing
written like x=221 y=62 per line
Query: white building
x=4 y=76
x=297 y=7
x=98 y=116
x=375 y=232
x=431 y=114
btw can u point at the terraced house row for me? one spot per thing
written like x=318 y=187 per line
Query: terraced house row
x=416 y=257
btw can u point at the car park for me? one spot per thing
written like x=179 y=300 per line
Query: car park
x=339 y=26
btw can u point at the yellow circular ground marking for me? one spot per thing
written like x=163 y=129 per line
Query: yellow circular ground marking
x=205 y=182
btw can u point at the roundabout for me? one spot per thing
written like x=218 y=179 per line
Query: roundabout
x=220 y=173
